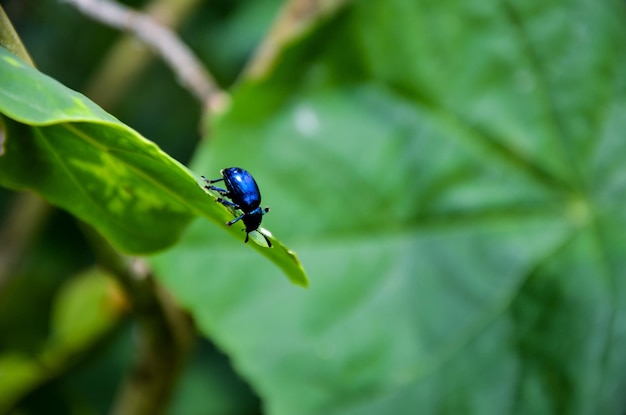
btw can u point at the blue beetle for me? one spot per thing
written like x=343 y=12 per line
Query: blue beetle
x=244 y=195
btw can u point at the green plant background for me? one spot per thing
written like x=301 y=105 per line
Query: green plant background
x=451 y=177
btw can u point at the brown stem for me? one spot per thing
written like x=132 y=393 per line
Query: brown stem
x=164 y=334
x=127 y=59
x=164 y=340
x=188 y=69
x=21 y=224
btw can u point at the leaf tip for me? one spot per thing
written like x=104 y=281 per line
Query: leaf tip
x=298 y=278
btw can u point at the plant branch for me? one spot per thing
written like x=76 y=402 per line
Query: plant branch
x=187 y=67
x=126 y=59
x=165 y=337
x=165 y=333
x=21 y=224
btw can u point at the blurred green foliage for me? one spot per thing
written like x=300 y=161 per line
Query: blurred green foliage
x=451 y=174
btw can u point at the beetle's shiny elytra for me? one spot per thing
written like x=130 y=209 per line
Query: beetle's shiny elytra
x=244 y=195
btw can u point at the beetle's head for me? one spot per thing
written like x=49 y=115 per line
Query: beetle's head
x=252 y=221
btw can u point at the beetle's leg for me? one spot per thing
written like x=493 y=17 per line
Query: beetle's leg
x=264 y=211
x=235 y=220
x=219 y=190
x=227 y=203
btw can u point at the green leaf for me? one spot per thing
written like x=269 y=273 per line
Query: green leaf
x=87 y=306
x=19 y=373
x=86 y=309
x=452 y=175
x=67 y=149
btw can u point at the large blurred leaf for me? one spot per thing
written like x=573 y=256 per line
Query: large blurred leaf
x=77 y=156
x=452 y=173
